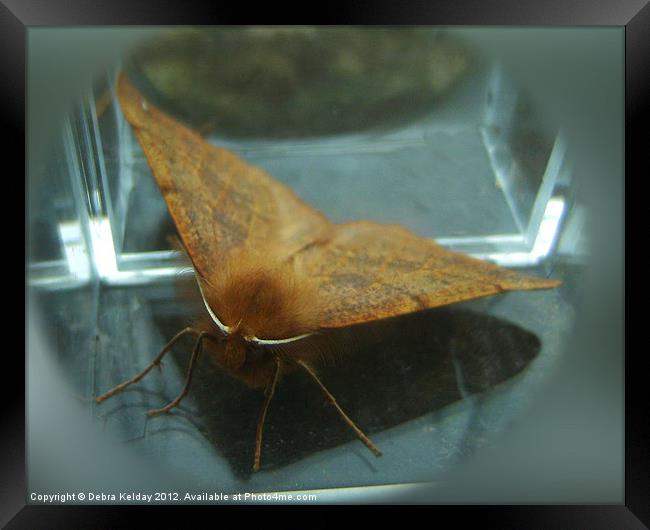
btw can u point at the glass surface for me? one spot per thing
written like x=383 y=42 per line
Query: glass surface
x=459 y=174
x=480 y=173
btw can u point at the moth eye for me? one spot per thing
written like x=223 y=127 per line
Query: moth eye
x=145 y=105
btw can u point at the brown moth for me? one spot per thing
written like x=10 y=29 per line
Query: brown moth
x=273 y=271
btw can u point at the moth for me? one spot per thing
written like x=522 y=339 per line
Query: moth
x=274 y=272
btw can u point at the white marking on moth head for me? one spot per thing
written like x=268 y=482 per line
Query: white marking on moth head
x=270 y=342
x=226 y=329
x=144 y=104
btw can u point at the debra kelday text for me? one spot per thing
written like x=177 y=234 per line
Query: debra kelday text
x=50 y=498
x=138 y=497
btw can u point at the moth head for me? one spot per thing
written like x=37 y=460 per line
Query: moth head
x=264 y=306
x=234 y=353
x=245 y=356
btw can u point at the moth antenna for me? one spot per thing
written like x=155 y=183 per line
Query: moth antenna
x=360 y=434
x=226 y=330
x=290 y=351
x=268 y=396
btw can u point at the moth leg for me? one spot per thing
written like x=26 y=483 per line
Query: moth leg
x=155 y=362
x=268 y=395
x=366 y=441
x=188 y=379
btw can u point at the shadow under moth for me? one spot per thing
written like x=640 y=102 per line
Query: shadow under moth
x=274 y=273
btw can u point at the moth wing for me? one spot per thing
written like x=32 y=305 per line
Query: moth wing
x=368 y=271
x=219 y=203
x=364 y=271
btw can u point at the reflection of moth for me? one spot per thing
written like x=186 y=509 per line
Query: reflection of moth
x=275 y=274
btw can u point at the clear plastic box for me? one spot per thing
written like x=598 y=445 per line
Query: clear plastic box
x=480 y=174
